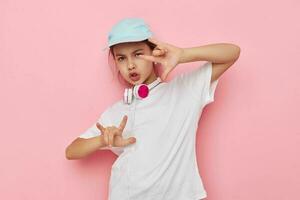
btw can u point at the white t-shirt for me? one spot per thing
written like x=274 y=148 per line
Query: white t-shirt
x=162 y=164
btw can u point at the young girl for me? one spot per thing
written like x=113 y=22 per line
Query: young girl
x=153 y=128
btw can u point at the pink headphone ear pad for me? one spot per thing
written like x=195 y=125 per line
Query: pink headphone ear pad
x=143 y=91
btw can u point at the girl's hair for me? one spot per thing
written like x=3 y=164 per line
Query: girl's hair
x=111 y=56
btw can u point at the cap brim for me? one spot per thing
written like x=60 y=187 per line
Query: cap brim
x=128 y=40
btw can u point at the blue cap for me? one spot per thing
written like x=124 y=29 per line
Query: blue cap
x=128 y=30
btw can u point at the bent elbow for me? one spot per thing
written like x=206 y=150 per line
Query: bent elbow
x=68 y=154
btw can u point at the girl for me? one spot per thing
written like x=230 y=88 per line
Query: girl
x=153 y=128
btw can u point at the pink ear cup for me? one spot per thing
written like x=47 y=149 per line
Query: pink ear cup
x=143 y=91
x=139 y=91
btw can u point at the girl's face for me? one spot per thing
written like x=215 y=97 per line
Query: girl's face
x=133 y=69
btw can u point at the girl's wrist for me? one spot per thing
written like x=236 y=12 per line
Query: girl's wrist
x=182 y=55
x=102 y=142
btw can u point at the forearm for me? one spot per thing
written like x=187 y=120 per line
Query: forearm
x=83 y=147
x=216 y=53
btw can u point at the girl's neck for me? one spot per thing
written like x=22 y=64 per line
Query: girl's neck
x=152 y=77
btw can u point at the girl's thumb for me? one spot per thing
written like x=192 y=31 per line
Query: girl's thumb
x=132 y=140
x=129 y=141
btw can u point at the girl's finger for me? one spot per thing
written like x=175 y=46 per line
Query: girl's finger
x=164 y=49
x=123 y=123
x=165 y=74
x=105 y=137
x=111 y=138
x=158 y=52
x=100 y=127
x=163 y=77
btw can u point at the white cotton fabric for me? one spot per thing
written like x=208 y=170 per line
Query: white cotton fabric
x=162 y=164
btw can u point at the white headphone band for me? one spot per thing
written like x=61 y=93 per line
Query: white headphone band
x=154 y=83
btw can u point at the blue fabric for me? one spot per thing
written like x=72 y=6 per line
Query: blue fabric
x=128 y=30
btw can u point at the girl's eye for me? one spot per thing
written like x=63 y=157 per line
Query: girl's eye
x=120 y=58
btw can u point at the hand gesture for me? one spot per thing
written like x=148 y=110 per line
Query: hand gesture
x=113 y=135
x=165 y=54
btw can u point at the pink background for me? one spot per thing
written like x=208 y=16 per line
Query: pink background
x=55 y=81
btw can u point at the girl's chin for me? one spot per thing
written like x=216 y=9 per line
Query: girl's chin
x=132 y=83
x=139 y=81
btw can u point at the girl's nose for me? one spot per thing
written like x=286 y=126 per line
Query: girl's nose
x=131 y=65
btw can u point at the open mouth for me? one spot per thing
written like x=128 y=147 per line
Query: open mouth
x=134 y=76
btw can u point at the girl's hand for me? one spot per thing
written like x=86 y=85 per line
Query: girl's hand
x=113 y=135
x=165 y=54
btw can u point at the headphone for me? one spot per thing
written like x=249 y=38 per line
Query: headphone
x=140 y=91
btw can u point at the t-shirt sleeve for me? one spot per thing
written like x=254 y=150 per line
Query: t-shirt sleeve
x=197 y=83
x=93 y=131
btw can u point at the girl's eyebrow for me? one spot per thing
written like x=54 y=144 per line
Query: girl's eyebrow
x=132 y=52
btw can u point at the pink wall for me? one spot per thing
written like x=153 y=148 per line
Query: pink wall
x=55 y=81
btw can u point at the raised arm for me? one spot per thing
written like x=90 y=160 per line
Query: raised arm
x=222 y=56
